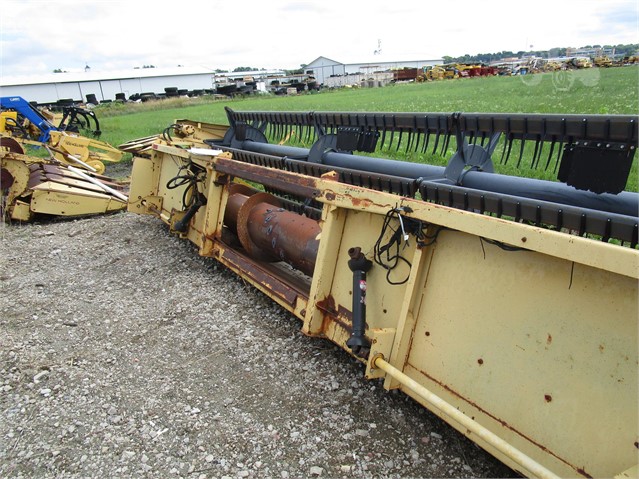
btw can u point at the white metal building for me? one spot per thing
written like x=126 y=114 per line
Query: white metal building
x=52 y=87
x=322 y=68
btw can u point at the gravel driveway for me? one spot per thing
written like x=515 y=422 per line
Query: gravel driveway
x=125 y=354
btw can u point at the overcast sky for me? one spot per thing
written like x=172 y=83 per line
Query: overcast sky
x=40 y=36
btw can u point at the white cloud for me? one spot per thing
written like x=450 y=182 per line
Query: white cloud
x=39 y=36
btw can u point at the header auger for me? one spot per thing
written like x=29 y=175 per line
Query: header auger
x=507 y=306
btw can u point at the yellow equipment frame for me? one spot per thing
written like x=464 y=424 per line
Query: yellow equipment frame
x=50 y=187
x=522 y=338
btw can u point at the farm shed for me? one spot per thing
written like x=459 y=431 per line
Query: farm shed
x=50 y=88
x=323 y=68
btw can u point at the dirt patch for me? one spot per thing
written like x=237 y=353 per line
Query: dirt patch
x=125 y=354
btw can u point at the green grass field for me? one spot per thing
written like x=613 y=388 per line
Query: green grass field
x=591 y=91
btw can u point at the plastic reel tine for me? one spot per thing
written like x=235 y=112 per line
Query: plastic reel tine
x=281 y=133
x=399 y=141
x=539 y=153
x=292 y=129
x=446 y=144
x=270 y=128
x=486 y=137
x=552 y=149
x=409 y=141
x=286 y=131
x=289 y=125
x=558 y=156
x=418 y=139
x=392 y=133
x=541 y=138
x=299 y=126
x=426 y=141
x=415 y=135
x=508 y=149
x=383 y=131
x=312 y=129
x=307 y=133
x=283 y=130
x=437 y=135
x=535 y=152
x=521 y=152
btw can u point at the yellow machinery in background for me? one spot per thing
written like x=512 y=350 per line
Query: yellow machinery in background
x=61 y=174
x=181 y=133
x=602 y=61
x=83 y=152
x=434 y=72
x=69 y=148
x=511 y=312
x=34 y=128
x=68 y=181
x=32 y=185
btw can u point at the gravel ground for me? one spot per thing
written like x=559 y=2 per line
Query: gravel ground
x=125 y=354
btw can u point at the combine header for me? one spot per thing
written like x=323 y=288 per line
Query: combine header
x=61 y=173
x=32 y=185
x=34 y=128
x=508 y=306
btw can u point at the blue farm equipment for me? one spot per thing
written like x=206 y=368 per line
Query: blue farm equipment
x=20 y=118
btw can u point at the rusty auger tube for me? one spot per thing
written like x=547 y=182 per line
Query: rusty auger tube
x=270 y=233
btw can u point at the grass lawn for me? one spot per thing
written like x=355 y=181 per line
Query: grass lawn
x=589 y=91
